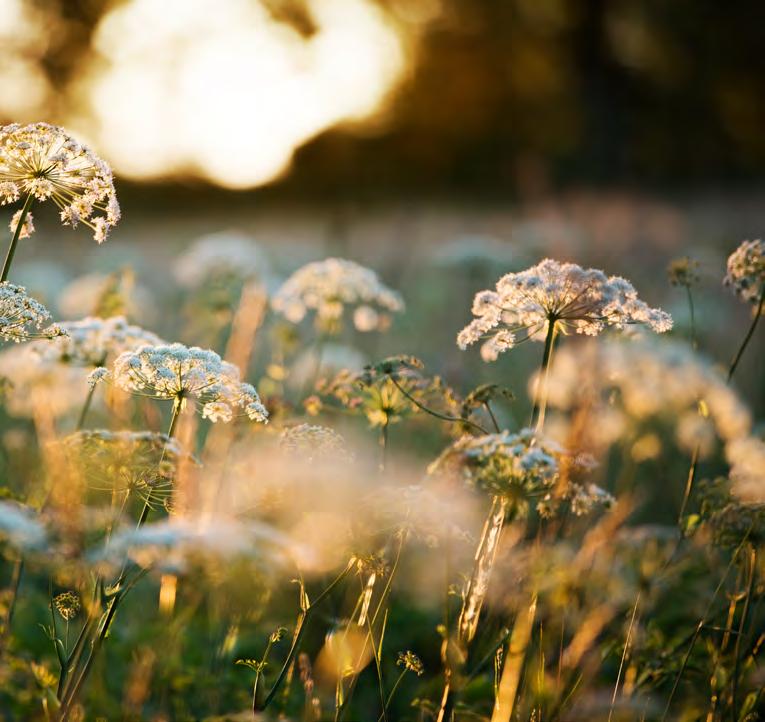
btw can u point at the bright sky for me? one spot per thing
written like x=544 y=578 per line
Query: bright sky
x=211 y=88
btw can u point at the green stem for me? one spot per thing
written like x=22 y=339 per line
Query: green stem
x=390 y=696
x=742 y=624
x=18 y=571
x=86 y=407
x=540 y=397
x=16 y=234
x=299 y=630
x=71 y=694
x=436 y=414
x=384 y=444
x=694 y=339
x=747 y=338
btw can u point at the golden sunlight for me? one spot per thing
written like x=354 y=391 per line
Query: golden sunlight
x=224 y=91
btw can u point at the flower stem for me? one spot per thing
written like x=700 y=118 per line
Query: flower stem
x=70 y=694
x=747 y=338
x=694 y=338
x=86 y=407
x=540 y=400
x=16 y=235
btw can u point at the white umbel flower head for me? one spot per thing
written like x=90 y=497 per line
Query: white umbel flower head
x=94 y=341
x=581 y=300
x=44 y=161
x=309 y=442
x=746 y=271
x=330 y=287
x=178 y=373
x=22 y=317
x=220 y=255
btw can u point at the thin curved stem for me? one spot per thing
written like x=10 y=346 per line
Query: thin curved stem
x=748 y=337
x=694 y=338
x=300 y=629
x=86 y=407
x=742 y=623
x=16 y=235
x=436 y=414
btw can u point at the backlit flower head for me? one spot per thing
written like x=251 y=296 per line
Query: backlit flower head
x=626 y=388
x=581 y=300
x=22 y=317
x=178 y=372
x=314 y=443
x=34 y=384
x=520 y=468
x=95 y=341
x=746 y=271
x=219 y=256
x=44 y=161
x=330 y=287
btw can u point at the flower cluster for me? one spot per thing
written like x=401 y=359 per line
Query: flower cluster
x=93 y=341
x=41 y=160
x=22 y=317
x=218 y=256
x=746 y=457
x=67 y=604
x=629 y=385
x=519 y=468
x=314 y=443
x=123 y=460
x=575 y=299
x=746 y=271
x=328 y=287
x=178 y=372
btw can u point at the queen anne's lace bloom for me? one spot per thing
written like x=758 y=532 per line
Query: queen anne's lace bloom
x=746 y=271
x=519 y=468
x=22 y=317
x=177 y=372
x=42 y=160
x=575 y=299
x=747 y=469
x=309 y=443
x=328 y=287
x=94 y=341
x=626 y=388
x=221 y=255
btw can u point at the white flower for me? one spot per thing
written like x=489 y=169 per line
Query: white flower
x=19 y=525
x=746 y=271
x=22 y=317
x=519 y=468
x=36 y=384
x=582 y=300
x=627 y=385
x=94 y=341
x=307 y=442
x=177 y=372
x=27 y=229
x=746 y=457
x=44 y=161
x=328 y=287
x=219 y=255
x=98 y=294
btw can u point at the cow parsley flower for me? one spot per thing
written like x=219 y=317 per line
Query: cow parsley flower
x=566 y=295
x=34 y=384
x=219 y=256
x=22 y=317
x=746 y=271
x=329 y=287
x=178 y=372
x=42 y=161
x=94 y=341
x=311 y=443
x=626 y=388
x=518 y=468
